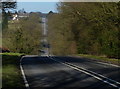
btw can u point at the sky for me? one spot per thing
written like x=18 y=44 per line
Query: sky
x=43 y=7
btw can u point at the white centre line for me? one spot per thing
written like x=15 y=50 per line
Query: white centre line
x=88 y=72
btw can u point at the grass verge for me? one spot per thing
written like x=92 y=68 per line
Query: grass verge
x=11 y=73
x=101 y=58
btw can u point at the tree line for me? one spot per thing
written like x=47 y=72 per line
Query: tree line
x=85 y=28
x=23 y=36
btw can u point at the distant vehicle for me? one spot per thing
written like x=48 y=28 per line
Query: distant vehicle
x=46 y=45
x=42 y=51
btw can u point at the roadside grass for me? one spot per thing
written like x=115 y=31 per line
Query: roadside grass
x=11 y=74
x=101 y=58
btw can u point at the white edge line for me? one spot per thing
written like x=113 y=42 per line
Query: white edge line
x=87 y=73
x=109 y=64
x=105 y=63
x=95 y=73
x=23 y=75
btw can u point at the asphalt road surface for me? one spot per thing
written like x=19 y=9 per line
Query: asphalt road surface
x=69 y=73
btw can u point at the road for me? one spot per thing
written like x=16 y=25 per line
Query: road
x=56 y=73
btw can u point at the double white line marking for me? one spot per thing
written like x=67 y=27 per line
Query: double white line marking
x=91 y=73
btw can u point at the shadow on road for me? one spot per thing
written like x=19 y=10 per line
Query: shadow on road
x=43 y=73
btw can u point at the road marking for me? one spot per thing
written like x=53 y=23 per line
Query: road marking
x=101 y=62
x=109 y=64
x=93 y=74
x=23 y=74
